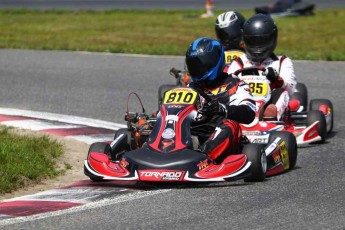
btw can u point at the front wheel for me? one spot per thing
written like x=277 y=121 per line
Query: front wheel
x=317 y=115
x=316 y=104
x=99 y=147
x=124 y=142
x=257 y=157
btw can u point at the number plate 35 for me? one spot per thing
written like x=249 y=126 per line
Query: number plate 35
x=259 y=87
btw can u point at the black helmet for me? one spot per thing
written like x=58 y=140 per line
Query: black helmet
x=205 y=59
x=228 y=29
x=260 y=37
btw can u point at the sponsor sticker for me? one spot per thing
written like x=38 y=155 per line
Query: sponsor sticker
x=202 y=164
x=168 y=133
x=284 y=155
x=124 y=163
x=259 y=140
x=161 y=175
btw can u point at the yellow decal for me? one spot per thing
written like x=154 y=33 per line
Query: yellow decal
x=180 y=96
x=284 y=155
x=232 y=55
x=258 y=88
x=214 y=91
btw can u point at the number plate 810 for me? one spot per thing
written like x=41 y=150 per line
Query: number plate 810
x=180 y=96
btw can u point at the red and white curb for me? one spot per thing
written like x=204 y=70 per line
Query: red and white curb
x=69 y=200
x=78 y=128
x=78 y=194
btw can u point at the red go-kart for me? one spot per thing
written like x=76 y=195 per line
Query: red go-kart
x=162 y=149
x=308 y=126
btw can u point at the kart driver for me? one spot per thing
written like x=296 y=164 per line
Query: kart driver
x=260 y=39
x=231 y=103
x=228 y=29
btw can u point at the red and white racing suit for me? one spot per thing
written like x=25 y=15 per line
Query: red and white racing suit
x=286 y=80
x=222 y=134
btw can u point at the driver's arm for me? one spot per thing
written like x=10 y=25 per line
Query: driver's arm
x=287 y=73
x=234 y=66
x=242 y=107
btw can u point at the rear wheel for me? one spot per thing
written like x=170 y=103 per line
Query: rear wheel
x=315 y=105
x=299 y=97
x=291 y=145
x=99 y=147
x=162 y=89
x=303 y=91
x=256 y=155
x=317 y=115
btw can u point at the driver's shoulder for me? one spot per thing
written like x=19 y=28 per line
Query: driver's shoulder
x=231 y=81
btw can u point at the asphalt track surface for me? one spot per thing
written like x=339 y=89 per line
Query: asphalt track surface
x=150 y=4
x=96 y=86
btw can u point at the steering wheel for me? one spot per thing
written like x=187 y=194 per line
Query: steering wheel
x=250 y=70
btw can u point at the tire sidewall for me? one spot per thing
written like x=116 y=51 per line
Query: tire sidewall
x=291 y=145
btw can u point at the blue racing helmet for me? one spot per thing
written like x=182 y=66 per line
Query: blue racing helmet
x=205 y=59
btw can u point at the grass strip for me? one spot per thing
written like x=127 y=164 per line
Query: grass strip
x=160 y=32
x=26 y=160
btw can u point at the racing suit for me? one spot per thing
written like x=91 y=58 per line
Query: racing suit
x=221 y=134
x=283 y=88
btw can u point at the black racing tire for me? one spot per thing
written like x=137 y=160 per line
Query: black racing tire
x=129 y=137
x=315 y=105
x=301 y=88
x=100 y=147
x=256 y=155
x=317 y=115
x=162 y=89
x=291 y=145
x=123 y=146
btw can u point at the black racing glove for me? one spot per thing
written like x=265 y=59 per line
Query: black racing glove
x=214 y=107
x=271 y=74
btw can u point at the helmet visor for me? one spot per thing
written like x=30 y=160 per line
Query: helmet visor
x=261 y=41
x=198 y=66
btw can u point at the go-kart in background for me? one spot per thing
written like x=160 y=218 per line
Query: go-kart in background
x=96 y=85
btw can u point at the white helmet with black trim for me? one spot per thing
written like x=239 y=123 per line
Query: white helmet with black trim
x=228 y=29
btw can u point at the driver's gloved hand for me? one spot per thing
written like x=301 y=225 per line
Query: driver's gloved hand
x=271 y=74
x=175 y=72
x=214 y=107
